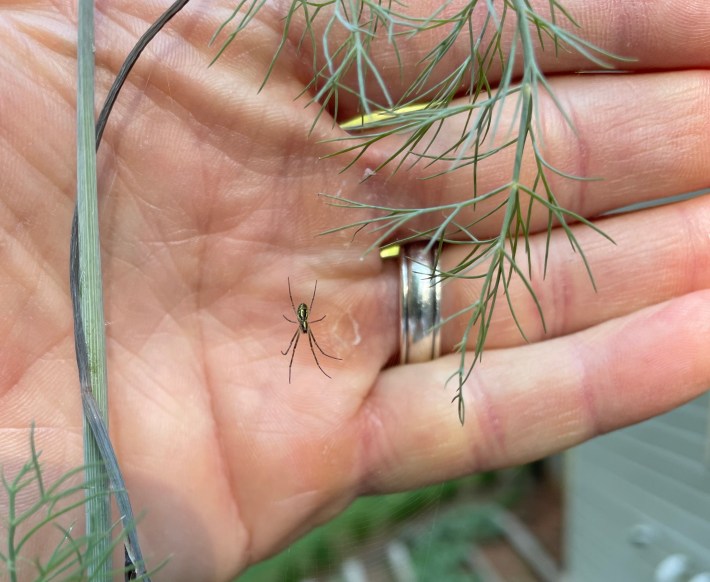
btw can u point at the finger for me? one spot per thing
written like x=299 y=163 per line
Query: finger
x=656 y=148
x=660 y=253
x=659 y=35
x=525 y=403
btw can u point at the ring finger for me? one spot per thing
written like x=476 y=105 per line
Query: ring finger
x=659 y=254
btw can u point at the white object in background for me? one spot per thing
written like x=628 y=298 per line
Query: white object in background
x=643 y=534
x=353 y=571
x=401 y=562
x=674 y=568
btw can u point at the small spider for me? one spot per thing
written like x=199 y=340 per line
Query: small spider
x=304 y=326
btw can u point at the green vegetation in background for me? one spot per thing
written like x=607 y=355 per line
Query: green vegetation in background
x=438 y=546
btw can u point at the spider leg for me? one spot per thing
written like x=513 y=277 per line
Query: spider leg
x=310 y=333
x=289 y=343
x=290 y=320
x=316 y=320
x=291 y=296
x=311 y=339
x=293 y=353
x=314 y=295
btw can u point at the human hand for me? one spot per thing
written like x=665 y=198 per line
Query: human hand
x=209 y=204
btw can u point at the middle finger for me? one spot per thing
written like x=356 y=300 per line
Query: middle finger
x=630 y=159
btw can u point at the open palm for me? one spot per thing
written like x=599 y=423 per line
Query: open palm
x=209 y=207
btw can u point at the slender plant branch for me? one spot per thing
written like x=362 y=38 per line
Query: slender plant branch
x=86 y=290
x=90 y=297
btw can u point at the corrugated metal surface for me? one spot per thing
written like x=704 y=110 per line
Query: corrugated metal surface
x=639 y=495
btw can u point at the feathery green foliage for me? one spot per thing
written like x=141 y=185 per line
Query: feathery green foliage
x=39 y=509
x=465 y=91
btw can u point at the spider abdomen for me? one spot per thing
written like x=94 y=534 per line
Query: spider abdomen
x=302 y=316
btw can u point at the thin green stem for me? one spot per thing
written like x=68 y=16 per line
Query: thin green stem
x=92 y=412
x=11 y=531
x=98 y=501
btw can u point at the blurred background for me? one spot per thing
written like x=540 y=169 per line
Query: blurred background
x=630 y=506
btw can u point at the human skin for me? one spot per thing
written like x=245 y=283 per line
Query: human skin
x=208 y=204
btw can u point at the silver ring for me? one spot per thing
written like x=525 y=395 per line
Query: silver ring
x=419 y=304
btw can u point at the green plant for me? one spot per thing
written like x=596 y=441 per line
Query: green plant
x=366 y=518
x=441 y=552
x=88 y=556
x=103 y=473
x=38 y=507
x=468 y=92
